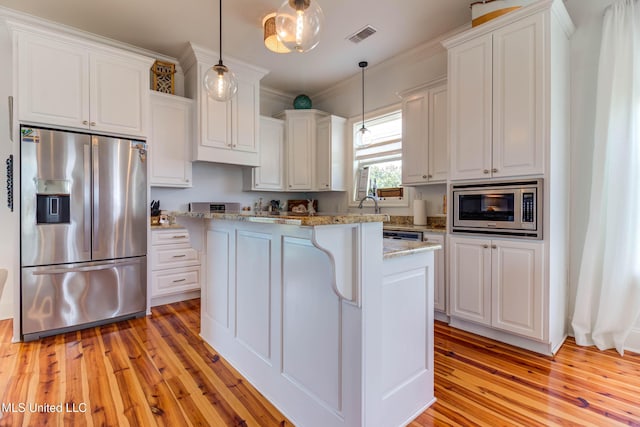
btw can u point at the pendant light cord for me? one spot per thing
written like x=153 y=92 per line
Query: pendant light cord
x=220 y=19
x=362 y=65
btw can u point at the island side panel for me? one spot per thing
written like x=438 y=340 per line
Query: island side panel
x=270 y=308
x=398 y=340
x=407 y=377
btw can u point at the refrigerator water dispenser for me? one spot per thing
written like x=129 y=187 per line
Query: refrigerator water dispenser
x=52 y=209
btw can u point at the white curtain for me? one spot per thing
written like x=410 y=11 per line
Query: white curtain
x=608 y=295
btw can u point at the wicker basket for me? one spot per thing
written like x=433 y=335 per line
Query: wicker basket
x=162 y=77
x=483 y=11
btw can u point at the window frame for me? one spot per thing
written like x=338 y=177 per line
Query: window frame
x=351 y=164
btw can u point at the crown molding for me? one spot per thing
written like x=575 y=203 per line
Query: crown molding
x=16 y=19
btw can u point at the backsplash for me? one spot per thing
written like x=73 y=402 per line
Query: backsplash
x=439 y=221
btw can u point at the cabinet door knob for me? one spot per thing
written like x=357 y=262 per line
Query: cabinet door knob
x=424 y=176
x=485 y=171
x=494 y=247
x=430 y=176
x=84 y=122
x=494 y=170
x=485 y=246
x=93 y=123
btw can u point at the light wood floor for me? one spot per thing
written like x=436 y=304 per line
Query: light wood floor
x=157 y=371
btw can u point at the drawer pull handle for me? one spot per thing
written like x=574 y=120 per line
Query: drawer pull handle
x=180 y=237
x=179 y=256
x=179 y=280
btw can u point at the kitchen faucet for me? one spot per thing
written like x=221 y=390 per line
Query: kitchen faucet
x=375 y=201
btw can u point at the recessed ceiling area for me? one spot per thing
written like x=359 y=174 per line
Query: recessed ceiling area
x=165 y=26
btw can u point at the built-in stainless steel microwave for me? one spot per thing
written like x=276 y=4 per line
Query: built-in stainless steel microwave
x=508 y=208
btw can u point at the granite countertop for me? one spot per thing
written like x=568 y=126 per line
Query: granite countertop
x=290 y=218
x=410 y=227
x=392 y=248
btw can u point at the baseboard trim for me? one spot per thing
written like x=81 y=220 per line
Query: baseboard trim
x=170 y=299
x=528 y=344
x=633 y=341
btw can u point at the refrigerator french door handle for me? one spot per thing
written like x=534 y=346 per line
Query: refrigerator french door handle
x=96 y=194
x=87 y=198
x=62 y=270
x=11 y=118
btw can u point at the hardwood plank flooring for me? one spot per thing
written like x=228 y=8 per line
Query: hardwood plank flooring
x=157 y=371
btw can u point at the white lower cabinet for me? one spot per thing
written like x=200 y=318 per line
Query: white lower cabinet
x=175 y=266
x=439 y=282
x=498 y=283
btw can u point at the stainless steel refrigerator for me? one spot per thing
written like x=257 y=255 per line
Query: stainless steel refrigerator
x=83 y=230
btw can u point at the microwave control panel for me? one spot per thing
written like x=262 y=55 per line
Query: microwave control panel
x=528 y=207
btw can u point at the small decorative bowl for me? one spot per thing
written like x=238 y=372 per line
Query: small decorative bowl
x=302 y=102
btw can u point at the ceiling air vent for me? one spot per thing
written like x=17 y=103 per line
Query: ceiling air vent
x=362 y=34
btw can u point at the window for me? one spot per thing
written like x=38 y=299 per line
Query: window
x=379 y=165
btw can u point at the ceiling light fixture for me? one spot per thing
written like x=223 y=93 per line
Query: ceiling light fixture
x=271 y=40
x=298 y=24
x=221 y=84
x=363 y=137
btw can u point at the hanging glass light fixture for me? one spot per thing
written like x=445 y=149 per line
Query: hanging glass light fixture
x=363 y=136
x=298 y=24
x=271 y=40
x=221 y=84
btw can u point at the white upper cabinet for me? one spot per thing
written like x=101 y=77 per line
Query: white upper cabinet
x=438 y=134
x=498 y=99
x=67 y=82
x=300 y=150
x=425 y=156
x=330 y=154
x=315 y=150
x=170 y=140
x=226 y=132
x=270 y=175
x=301 y=146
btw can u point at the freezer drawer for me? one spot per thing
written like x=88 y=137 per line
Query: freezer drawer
x=74 y=296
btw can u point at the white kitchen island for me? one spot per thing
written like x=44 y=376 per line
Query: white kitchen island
x=331 y=327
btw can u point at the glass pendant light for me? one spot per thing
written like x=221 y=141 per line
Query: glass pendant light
x=298 y=24
x=220 y=83
x=363 y=136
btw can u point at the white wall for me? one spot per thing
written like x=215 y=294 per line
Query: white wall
x=383 y=82
x=213 y=183
x=10 y=220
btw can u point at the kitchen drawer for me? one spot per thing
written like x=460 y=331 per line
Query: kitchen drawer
x=176 y=280
x=167 y=237
x=171 y=256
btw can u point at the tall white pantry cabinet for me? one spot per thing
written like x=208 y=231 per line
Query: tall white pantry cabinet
x=508 y=83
